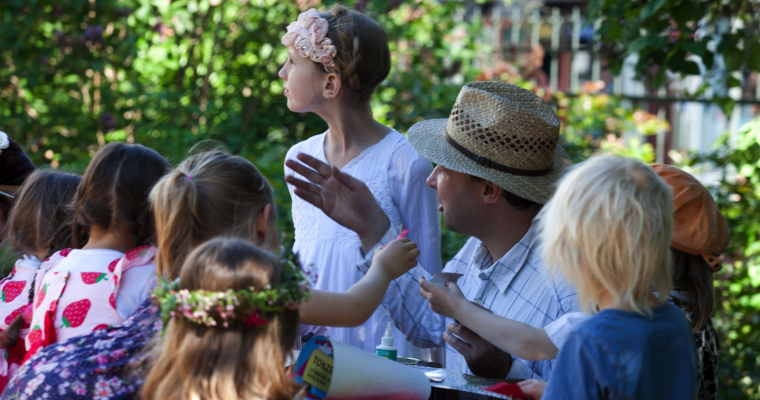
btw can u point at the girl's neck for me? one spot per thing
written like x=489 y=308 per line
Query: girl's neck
x=110 y=239
x=351 y=130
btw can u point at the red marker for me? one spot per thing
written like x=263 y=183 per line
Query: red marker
x=403 y=234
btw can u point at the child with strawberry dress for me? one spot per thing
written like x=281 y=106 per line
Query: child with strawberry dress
x=38 y=226
x=100 y=284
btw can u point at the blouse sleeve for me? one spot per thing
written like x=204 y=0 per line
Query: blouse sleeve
x=417 y=203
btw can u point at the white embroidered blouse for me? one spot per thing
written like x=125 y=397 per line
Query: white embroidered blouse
x=395 y=174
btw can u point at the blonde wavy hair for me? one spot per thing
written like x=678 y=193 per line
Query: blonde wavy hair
x=210 y=194
x=607 y=229
x=216 y=363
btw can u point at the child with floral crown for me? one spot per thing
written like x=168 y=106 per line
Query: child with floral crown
x=335 y=62
x=234 y=319
x=102 y=282
x=208 y=195
x=38 y=226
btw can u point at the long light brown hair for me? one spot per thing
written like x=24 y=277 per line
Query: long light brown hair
x=210 y=194
x=237 y=362
x=40 y=222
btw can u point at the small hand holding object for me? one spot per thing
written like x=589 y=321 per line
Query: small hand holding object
x=533 y=388
x=445 y=299
x=398 y=257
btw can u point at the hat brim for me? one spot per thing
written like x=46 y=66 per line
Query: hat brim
x=427 y=139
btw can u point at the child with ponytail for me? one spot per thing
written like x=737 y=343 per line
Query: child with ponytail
x=209 y=195
x=38 y=226
x=336 y=61
x=110 y=272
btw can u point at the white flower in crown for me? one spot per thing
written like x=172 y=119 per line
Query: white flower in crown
x=4 y=142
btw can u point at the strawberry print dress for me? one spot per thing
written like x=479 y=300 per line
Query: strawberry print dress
x=14 y=299
x=78 y=295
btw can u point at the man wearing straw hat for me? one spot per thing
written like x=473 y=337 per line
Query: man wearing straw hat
x=497 y=159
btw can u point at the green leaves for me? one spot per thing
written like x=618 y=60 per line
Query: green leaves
x=650 y=8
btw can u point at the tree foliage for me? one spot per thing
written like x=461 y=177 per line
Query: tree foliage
x=718 y=40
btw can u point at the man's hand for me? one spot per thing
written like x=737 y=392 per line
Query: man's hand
x=483 y=358
x=445 y=300
x=343 y=198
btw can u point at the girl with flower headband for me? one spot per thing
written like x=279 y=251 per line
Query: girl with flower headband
x=209 y=195
x=336 y=61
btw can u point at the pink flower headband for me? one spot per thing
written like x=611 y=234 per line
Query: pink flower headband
x=309 y=36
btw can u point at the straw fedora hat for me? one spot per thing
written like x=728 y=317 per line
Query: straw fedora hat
x=499 y=132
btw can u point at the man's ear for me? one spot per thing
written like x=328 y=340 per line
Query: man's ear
x=332 y=86
x=491 y=192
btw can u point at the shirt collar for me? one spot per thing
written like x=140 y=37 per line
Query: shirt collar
x=506 y=268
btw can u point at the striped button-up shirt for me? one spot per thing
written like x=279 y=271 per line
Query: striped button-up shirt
x=517 y=286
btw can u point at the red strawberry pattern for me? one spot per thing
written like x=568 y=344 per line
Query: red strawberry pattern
x=11 y=290
x=93 y=277
x=65 y=252
x=35 y=336
x=41 y=295
x=75 y=313
x=101 y=326
x=112 y=265
x=136 y=252
x=9 y=319
x=112 y=300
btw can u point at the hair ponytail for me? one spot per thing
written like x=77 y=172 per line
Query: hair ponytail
x=174 y=200
x=210 y=194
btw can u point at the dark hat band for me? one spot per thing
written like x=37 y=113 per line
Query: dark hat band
x=488 y=163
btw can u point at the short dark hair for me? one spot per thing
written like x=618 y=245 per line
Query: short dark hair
x=513 y=199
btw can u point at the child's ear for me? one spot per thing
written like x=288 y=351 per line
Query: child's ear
x=262 y=225
x=332 y=86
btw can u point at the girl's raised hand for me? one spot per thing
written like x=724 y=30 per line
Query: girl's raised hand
x=398 y=257
x=343 y=198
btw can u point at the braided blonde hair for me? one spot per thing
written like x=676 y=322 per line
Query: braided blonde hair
x=363 y=58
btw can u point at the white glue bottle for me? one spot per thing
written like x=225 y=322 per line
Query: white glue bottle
x=386 y=349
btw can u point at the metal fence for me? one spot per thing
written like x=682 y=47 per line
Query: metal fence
x=516 y=29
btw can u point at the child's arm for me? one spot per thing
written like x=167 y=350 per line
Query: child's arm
x=520 y=340
x=357 y=304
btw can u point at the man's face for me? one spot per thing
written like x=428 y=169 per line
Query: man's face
x=459 y=198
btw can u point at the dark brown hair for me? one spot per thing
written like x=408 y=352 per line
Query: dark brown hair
x=513 y=199
x=39 y=220
x=237 y=362
x=363 y=58
x=692 y=276
x=114 y=191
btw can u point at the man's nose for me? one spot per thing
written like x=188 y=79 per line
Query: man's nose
x=432 y=180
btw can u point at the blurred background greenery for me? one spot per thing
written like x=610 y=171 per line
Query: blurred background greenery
x=77 y=74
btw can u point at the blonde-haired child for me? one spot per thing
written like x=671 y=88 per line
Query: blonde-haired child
x=235 y=320
x=607 y=230
x=38 y=226
x=336 y=60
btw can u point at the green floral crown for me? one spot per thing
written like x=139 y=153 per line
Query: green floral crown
x=248 y=306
